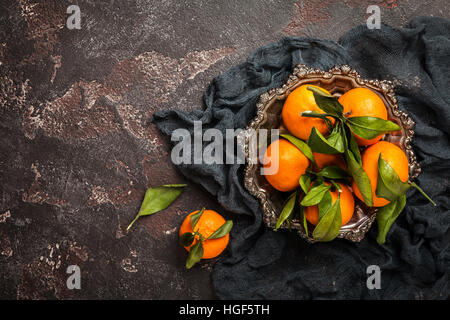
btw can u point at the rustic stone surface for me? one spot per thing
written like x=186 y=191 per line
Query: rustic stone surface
x=77 y=153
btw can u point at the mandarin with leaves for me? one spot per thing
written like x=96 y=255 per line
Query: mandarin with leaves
x=346 y=204
x=393 y=155
x=363 y=102
x=300 y=100
x=210 y=221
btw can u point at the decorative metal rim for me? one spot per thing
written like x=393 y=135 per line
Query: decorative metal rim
x=300 y=73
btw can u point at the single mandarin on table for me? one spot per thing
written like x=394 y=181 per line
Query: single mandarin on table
x=393 y=155
x=346 y=203
x=284 y=164
x=363 y=102
x=208 y=223
x=298 y=101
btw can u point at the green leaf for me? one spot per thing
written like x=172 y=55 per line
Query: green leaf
x=157 y=199
x=318 y=143
x=187 y=238
x=302 y=146
x=351 y=144
x=370 y=127
x=354 y=165
x=288 y=209
x=389 y=185
x=333 y=172
x=305 y=182
x=289 y=222
x=326 y=102
x=315 y=195
x=195 y=254
x=336 y=140
x=329 y=225
x=318 y=181
x=305 y=222
x=325 y=204
x=195 y=217
x=223 y=230
x=360 y=177
x=386 y=216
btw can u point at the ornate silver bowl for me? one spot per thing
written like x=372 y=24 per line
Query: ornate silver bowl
x=337 y=81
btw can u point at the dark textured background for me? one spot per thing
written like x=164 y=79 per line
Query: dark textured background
x=76 y=154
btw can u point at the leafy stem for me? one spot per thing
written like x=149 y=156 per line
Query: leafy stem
x=336 y=186
x=157 y=199
x=287 y=210
x=195 y=254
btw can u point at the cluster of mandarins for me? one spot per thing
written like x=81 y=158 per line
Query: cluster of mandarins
x=332 y=152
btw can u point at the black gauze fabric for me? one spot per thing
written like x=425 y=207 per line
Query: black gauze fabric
x=262 y=264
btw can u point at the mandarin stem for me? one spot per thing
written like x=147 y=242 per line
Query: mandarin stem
x=423 y=193
x=137 y=217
